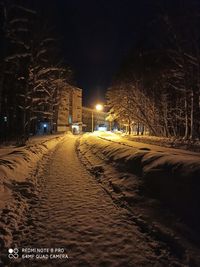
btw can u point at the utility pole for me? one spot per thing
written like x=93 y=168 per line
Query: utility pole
x=92 y=121
x=98 y=107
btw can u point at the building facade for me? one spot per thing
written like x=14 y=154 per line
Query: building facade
x=63 y=111
x=92 y=116
x=75 y=114
x=69 y=116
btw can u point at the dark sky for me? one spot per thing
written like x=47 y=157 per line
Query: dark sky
x=95 y=37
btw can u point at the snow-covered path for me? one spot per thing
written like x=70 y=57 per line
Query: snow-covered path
x=74 y=212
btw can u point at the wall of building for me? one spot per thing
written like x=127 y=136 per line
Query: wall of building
x=99 y=118
x=63 y=111
x=76 y=105
x=70 y=109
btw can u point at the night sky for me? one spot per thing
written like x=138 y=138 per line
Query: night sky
x=95 y=36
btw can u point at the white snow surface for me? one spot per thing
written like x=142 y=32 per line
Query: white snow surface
x=16 y=163
x=193 y=145
x=60 y=204
x=71 y=210
x=120 y=149
x=172 y=175
x=144 y=178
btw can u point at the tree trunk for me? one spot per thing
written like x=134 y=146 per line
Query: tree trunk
x=192 y=116
x=186 y=119
x=142 y=132
x=138 y=128
x=129 y=126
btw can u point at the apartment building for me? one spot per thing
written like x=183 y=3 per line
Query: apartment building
x=92 y=116
x=69 y=116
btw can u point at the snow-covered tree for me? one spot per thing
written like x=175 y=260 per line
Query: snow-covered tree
x=158 y=85
x=31 y=76
x=16 y=99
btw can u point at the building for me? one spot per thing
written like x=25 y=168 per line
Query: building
x=69 y=117
x=99 y=119
x=75 y=111
x=63 y=111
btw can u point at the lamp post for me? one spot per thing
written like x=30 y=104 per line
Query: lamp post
x=92 y=121
x=98 y=107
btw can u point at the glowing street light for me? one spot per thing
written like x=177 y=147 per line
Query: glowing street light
x=99 y=107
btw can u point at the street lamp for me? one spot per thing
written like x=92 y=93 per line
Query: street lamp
x=98 y=107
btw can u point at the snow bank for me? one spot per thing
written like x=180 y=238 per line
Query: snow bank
x=17 y=164
x=175 y=179
x=17 y=185
x=192 y=145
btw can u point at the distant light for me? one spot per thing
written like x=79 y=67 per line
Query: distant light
x=45 y=125
x=99 y=107
x=5 y=119
x=75 y=129
x=102 y=128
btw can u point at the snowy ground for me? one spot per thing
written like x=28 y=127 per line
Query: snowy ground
x=159 y=184
x=193 y=145
x=16 y=166
x=171 y=175
x=84 y=197
x=149 y=143
x=6 y=149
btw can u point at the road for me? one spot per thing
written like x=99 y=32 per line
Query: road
x=75 y=213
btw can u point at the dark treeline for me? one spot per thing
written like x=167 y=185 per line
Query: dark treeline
x=31 y=76
x=158 y=85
